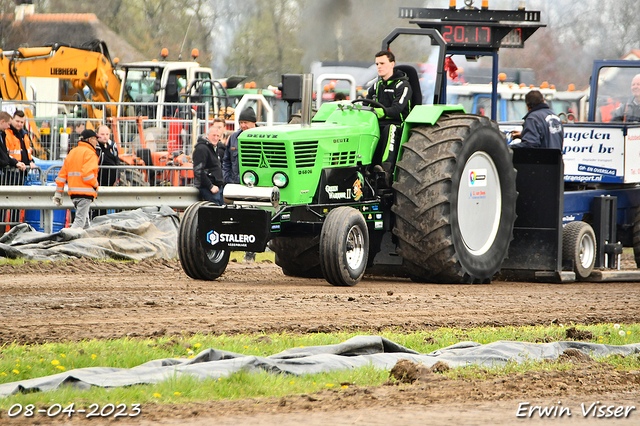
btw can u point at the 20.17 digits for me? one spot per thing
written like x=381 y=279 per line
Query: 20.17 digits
x=94 y=410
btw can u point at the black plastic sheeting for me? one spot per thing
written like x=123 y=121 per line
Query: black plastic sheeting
x=146 y=233
x=359 y=351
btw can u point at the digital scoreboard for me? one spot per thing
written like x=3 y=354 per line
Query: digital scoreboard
x=477 y=28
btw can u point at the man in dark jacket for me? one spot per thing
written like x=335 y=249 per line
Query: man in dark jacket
x=230 y=164
x=207 y=173
x=392 y=89
x=107 y=152
x=541 y=128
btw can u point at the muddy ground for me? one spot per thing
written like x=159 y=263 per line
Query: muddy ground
x=48 y=302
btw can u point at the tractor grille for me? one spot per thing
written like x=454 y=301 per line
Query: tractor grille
x=339 y=159
x=263 y=154
x=305 y=153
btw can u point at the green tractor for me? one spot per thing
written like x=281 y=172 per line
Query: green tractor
x=310 y=192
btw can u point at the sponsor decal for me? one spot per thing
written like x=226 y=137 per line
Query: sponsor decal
x=275 y=227
x=582 y=178
x=379 y=216
x=478 y=177
x=332 y=192
x=357 y=188
x=232 y=240
x=378 y=225
x=478 y=195
x=369 y=216
x=286 y=216
x=597 y=170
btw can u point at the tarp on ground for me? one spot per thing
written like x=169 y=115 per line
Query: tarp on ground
x=359 y=351
x=145 y=233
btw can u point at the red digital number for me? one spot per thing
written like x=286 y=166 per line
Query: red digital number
x=488 y=33
x=458 y=35
x=446 y=35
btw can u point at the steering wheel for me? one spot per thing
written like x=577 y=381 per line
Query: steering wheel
x=368 y=102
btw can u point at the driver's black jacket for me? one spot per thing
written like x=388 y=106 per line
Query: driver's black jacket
x=395 y=95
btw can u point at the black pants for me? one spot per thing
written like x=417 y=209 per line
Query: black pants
x=390 y=135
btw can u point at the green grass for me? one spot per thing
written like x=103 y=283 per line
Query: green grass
x=18 y=362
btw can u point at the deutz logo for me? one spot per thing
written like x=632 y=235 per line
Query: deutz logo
x=263 y=162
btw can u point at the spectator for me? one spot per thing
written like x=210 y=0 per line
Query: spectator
x=6 y=163
x=80 y=172
x=75 y=135
x=340 y=96
x=222 y=143
x=230 y=166
x=541 y=128
x=207 y=172
x=6 y=160
x=18 y=144
x=107 y=152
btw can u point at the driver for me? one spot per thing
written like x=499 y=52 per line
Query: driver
x=629 y=112
x=393 y=91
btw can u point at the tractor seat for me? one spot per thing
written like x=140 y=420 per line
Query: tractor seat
x=414 y=81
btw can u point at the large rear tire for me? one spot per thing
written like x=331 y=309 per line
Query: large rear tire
x=344 y=246
x=455 y=200
x=198 y=261
x=298 y=256
x=579 y=246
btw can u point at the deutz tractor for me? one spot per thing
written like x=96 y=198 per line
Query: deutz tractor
x=310 y=193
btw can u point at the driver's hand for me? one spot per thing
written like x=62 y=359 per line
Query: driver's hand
x=379 y=112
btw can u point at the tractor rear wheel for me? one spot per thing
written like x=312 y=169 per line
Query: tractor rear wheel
x=298 y=256
x=579 y=246
x=455 y=200
x=344 y=246
x=198 y=261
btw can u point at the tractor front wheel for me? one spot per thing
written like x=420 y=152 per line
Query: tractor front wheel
x=344 y=246
x=198 y=261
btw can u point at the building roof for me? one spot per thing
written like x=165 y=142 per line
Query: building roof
x=75 y=29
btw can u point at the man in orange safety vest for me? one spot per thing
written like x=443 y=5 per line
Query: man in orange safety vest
x=80 y=173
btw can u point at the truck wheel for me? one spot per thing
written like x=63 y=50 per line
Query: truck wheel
x=198 y=262
x=636 y=236
x=344 y=246
x=298 y=256
x=455 y=203
x=579 y=245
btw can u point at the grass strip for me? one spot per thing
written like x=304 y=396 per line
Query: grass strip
x=19 y=362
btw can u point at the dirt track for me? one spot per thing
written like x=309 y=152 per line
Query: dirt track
x=85 y=300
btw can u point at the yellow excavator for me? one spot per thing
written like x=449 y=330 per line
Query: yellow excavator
x=88 y=65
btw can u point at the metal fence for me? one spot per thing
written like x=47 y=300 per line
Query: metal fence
x=55 y=126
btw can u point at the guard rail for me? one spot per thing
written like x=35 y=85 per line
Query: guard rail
x=125 y=198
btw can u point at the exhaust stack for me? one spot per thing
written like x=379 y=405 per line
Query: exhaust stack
x=307 y=99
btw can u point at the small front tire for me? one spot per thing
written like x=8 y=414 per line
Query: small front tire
x=344 y=247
